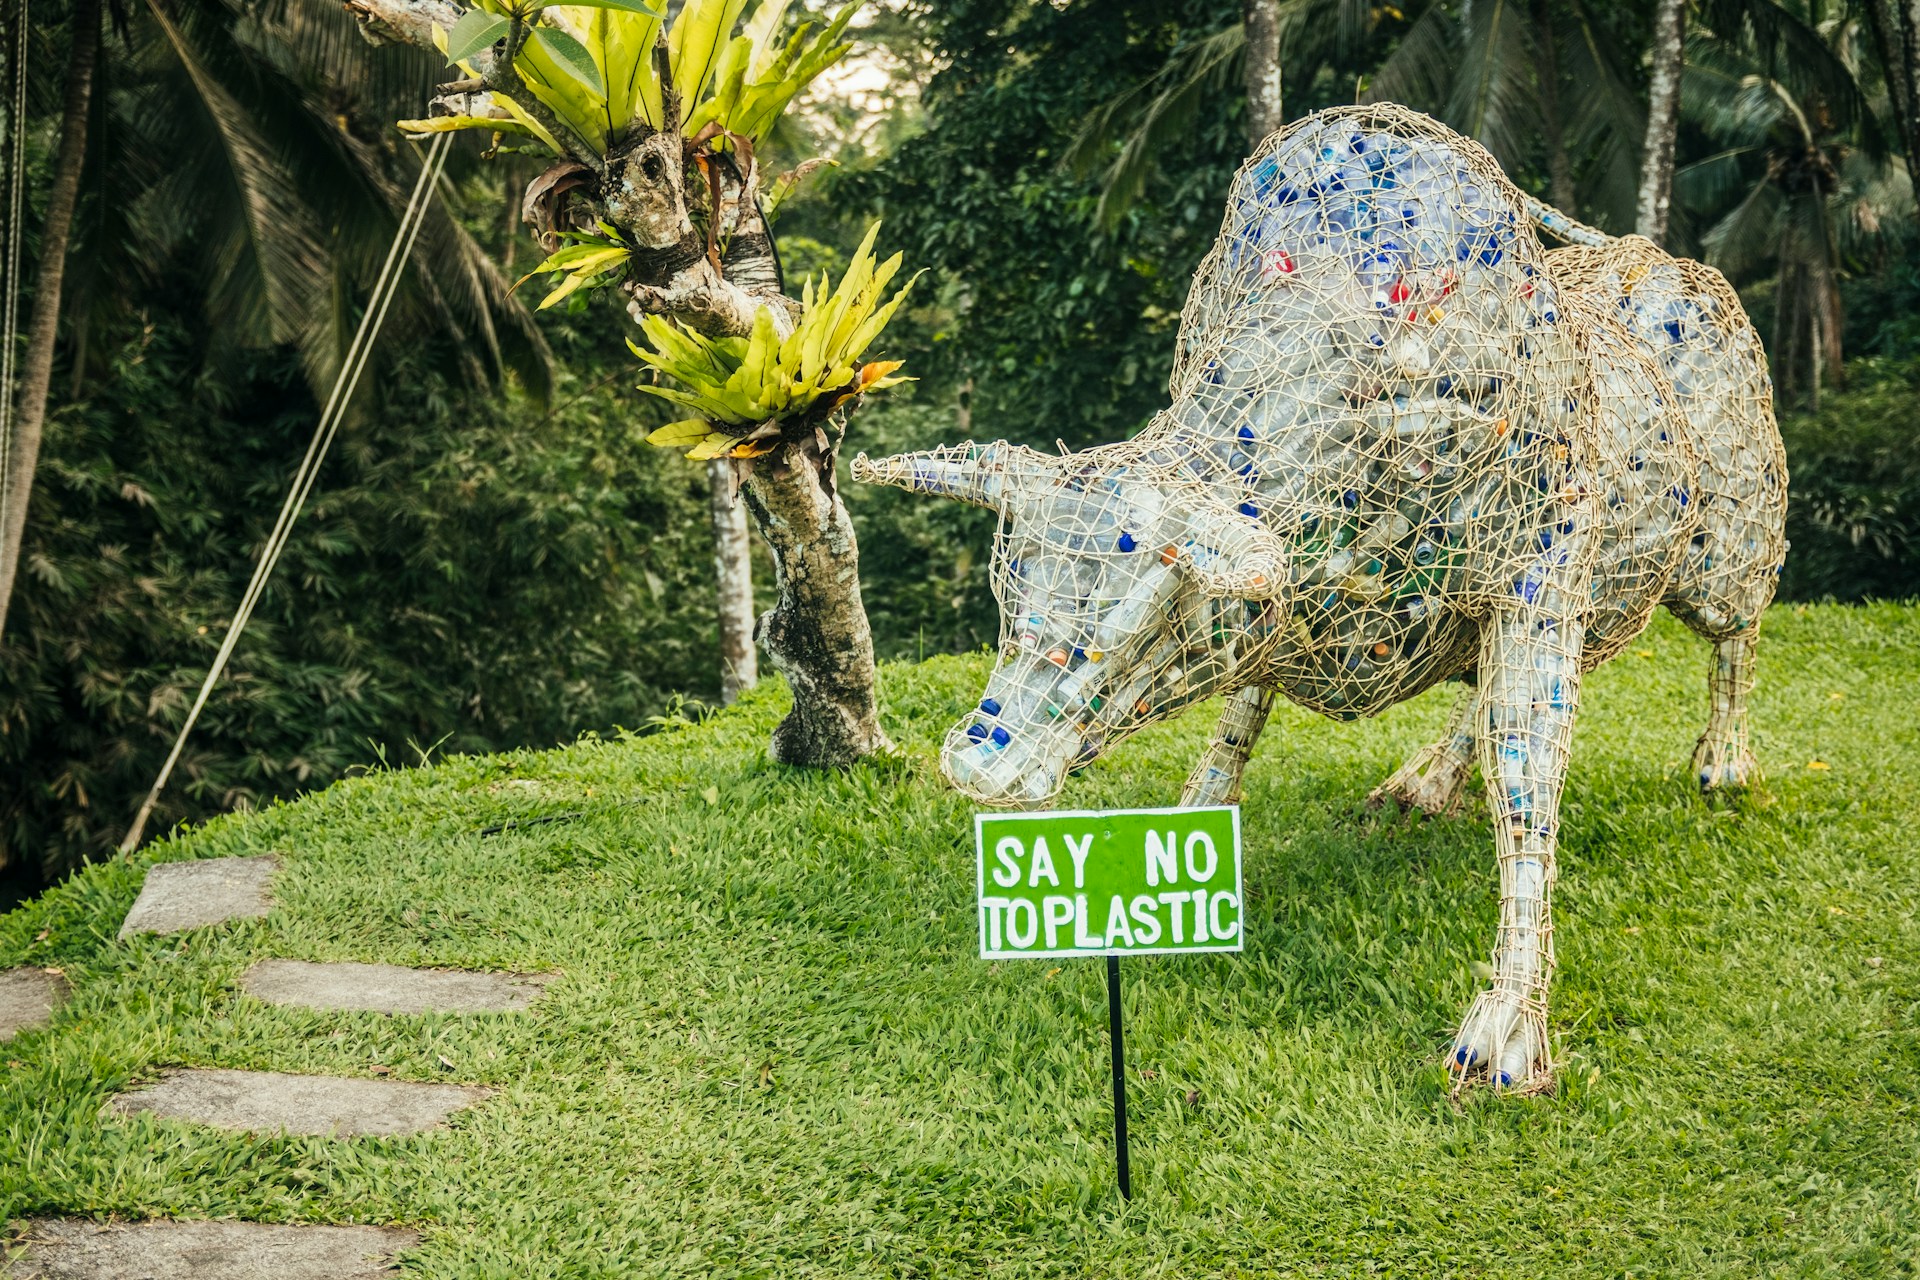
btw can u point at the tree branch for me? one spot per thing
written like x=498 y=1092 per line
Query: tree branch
x=701 y=298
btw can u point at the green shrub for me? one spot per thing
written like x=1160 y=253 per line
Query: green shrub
x=1853 y=512
x=468 y=576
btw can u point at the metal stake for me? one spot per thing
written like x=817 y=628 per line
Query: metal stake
x=1119 y=1076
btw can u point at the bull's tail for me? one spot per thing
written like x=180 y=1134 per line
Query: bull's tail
x=1560 y=226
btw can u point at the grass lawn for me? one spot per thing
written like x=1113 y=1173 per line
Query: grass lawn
x=773 y=1053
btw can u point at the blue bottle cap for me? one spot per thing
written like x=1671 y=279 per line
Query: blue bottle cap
x=1000 y=736
x=1126 y=542
x=977 y=732
x=1248 y=509
x=990 y=706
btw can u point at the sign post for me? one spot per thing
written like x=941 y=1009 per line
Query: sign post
x=1109 y=883
x=1116 y=1035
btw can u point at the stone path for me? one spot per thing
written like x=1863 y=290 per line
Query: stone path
x=386 y=988
x=320 y=1106
x=28 y=998
x=66 y=1250
x=190 y=895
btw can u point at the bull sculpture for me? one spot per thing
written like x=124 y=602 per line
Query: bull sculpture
x=1406 y=445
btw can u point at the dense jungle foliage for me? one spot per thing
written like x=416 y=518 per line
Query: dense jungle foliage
x=489 y=562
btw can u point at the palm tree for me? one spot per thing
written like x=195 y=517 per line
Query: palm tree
x=1896 y=41
x=250 y=148
x=1260 y=20
x=1540 y=83
x=22 y=443
x=1663 y=121
x=1536 y=82
x=1801 y=184
x=1125 y=138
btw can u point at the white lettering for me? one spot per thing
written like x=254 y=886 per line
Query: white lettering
x=1079 y=855
x=1205 y=841
x=1081 y=938
x=1056 y=909
x=1042 y=866
x=1200 y=915
x=995 y=909
x=1177 y=917
x=1144 y=909
x=1225 y=933
x=1009 y=851
x=1118 y=930
x=1161 y=855
x=1022 y=938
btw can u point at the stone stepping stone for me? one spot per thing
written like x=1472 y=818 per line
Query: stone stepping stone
x=316 y=1106
x=190 y=895
x=28 y=998
x=60 y=1249
x=386 y=988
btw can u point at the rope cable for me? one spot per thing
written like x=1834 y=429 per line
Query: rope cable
x=386 y=286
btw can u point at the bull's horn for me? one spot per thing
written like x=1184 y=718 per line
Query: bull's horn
x=1228 y=555
x=980 y=474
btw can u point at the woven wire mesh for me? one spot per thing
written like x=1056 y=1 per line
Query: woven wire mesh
x=1393 y=415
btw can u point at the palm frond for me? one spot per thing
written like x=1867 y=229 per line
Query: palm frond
x=1147 y=120
x=1604 y=118
x=1495 y=98
x=1747 y=236
x=1712 y=181
x=282 y=258
x=1420 y=69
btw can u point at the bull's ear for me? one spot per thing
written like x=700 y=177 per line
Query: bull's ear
x=1228 y=555
x=981 y=474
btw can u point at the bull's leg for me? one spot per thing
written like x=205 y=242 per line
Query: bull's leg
x=1529 y=677
x=1724 y=758
x=1434 y=779
x=1216 y=779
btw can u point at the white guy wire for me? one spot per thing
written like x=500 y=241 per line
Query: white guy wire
x=344 y=383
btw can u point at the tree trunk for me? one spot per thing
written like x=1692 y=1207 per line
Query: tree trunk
x=816 y=633
x=1262 y=21
x=733 y=576
x=43 y=327
x=648 y=187
x=1908 y=73
x=1663 y=120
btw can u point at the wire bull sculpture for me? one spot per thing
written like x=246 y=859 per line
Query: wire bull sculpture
x=1406 y=445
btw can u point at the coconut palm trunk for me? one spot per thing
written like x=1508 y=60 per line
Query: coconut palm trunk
x=1663 y=120
x=1262 y=21
x=43 y=326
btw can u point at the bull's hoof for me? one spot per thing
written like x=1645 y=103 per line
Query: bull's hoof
x=1722 y=766
x=1503 y=1042
x=1432 y=783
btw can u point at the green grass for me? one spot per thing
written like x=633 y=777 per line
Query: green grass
x=773 y=1053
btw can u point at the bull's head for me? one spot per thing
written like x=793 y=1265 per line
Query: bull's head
x=1126 y=594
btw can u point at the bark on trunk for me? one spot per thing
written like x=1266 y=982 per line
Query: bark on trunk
x=816 y=633
x=733 y=576
x=1663 y=121
x=1908 y=72
x=43 y=327
x=1262 y=21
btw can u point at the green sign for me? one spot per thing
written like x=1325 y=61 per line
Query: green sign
x=1108 y=883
